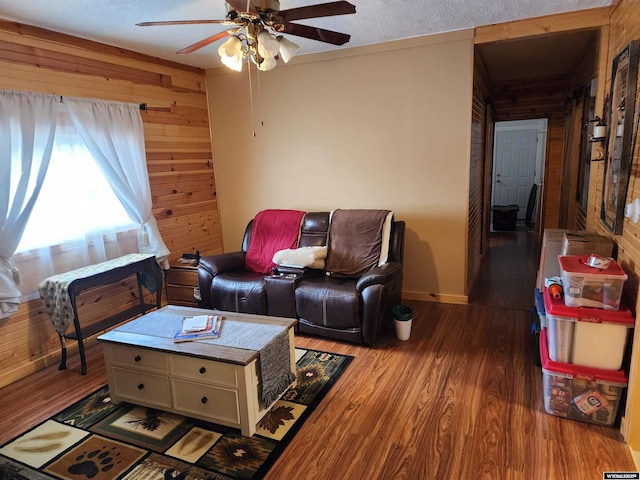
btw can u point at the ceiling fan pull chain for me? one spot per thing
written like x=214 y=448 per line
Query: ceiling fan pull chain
x=260 y=100
x=253 y=123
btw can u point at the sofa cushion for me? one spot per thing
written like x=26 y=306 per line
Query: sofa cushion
x=329 y=302
x=239 y=291
x=314 y=229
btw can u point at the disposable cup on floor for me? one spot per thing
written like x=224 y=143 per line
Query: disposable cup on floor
x=402 y=317
x=403 y=329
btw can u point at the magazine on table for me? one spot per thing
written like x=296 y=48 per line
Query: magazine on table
x=199 y=329
x=197 y=323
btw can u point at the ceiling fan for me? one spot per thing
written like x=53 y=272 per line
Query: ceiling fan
x=251 y=37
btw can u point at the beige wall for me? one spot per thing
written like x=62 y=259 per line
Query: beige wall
x=384 y=126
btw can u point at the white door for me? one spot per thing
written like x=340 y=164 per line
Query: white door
x=517 y=162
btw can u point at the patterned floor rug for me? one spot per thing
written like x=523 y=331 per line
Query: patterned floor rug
x=95 y=439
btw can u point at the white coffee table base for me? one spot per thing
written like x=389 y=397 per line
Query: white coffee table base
x=216 y=384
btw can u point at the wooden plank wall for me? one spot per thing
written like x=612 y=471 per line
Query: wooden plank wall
x=542 y=99
x=477 y=226
x=179 y=159
x=625 y=27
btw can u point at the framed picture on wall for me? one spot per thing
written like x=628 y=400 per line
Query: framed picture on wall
x=620 y=115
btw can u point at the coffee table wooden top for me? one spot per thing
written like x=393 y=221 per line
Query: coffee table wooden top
x=158 y=336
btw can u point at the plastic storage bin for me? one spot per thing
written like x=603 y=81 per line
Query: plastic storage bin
x=542 y=313
x=585 y=286
x=580 y=393
x=551 y=250
x=590 y=337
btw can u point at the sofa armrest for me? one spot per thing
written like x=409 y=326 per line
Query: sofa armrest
x=379 y=275
x=284 y=270
x=213 y=265
x=226 y=262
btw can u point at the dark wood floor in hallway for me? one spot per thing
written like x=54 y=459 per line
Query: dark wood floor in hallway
x=461 y=399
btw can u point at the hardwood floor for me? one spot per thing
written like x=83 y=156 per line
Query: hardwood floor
x=461 y=399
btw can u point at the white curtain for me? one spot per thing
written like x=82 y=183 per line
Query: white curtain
x=27 y=128
x=114 y=134
x=84 y=221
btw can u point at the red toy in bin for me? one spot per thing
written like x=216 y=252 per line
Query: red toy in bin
x=580 y=393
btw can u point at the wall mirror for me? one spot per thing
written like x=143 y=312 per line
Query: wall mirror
x=619 y=114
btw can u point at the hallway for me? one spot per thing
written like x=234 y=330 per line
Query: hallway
x=508 y=275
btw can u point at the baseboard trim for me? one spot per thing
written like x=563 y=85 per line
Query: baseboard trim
x=436 y=297
x=27 y=369
x=636 y=458
x=46 y=360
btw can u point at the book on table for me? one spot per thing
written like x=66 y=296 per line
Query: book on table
x=197 y=323
x=211 y=329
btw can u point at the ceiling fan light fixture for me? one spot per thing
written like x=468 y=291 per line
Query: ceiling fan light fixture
x=231 y=53
x=268 y=46
x=288 y=49
x=267 y=64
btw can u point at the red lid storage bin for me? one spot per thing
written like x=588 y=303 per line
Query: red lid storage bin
x=586 y=286
x=590 y=337
x=580 y=393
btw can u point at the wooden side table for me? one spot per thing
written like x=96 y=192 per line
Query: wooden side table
x=181 y=280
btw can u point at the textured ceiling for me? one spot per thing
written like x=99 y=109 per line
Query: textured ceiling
x=113 y=21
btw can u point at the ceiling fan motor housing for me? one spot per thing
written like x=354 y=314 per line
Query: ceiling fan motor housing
x=264 y=6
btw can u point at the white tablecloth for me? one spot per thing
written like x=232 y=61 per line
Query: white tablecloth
x=54 y=291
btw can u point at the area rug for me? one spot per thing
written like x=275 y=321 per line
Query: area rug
x=95 y=439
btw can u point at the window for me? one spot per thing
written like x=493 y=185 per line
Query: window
x=53 y=243
x=77 y=220
x=75 y=199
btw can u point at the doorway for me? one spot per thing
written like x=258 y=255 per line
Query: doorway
x=518 y=162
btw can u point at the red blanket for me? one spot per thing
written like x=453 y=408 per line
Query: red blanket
x=273 y=230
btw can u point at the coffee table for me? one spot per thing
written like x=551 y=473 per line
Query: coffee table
x=203 y=379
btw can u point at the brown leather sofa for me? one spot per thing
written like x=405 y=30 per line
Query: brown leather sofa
x=354 y=309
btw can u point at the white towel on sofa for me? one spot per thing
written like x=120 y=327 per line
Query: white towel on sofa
x=311 y=257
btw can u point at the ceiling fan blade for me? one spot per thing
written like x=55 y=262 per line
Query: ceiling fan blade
x=241 y=6
x=315 y=33
x=315 y=11
x=203 y=43
x=178 y=22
